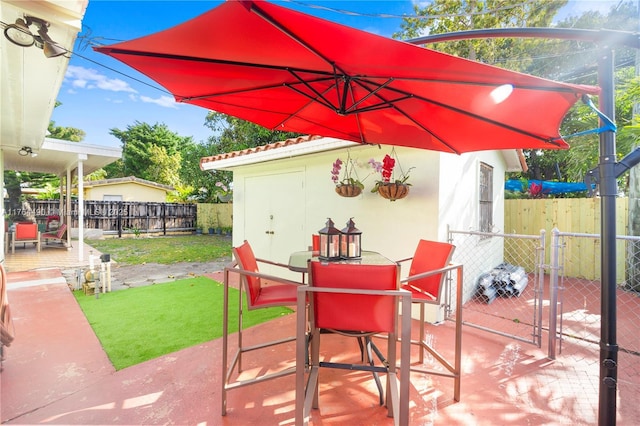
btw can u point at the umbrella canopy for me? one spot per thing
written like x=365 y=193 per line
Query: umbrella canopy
x=289 y=71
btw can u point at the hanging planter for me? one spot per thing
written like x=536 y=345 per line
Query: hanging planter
x=348 y=190
x=392 y=187
x=348 y=185
x=393 y=190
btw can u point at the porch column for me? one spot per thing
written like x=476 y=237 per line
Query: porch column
x=81 y=158
x=69 y=214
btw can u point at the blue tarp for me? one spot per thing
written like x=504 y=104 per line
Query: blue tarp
x=548 y=187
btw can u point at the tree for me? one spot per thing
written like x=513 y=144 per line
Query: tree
x=571 y=61
x=141 y=156
x=164 y=168
x=235 y=134
x=65 y=133
x=200 y=185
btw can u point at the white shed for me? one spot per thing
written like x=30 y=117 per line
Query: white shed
x=283 y=193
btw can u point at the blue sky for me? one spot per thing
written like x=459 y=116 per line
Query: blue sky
x=99 y=93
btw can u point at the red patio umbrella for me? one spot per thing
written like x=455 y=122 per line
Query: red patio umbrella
x=289 y=71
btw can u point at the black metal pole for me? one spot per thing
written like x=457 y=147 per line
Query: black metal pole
x=607 y=40
x=608 y=192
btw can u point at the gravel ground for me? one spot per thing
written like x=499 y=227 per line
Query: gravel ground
x=127 y=276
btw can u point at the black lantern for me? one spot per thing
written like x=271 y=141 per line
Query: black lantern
x=329 y=242
x=350 y=237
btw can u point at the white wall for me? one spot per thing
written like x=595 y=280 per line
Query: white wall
x=443 y=192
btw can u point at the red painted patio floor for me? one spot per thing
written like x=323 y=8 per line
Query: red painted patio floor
x=56 y=372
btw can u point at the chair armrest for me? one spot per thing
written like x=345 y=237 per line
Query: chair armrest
x=451 y=267
x=403 y=294
x=235 y=269
x=404 y=260
x=271 y=262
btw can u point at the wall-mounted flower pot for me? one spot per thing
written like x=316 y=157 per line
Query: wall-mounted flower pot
x=393 y=191
x=348 y=190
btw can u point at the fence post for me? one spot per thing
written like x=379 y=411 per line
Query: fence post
x=119 y=219
x=541 y=250
x=553 y=293
x=164 y=218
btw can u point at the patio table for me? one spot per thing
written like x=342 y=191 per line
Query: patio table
x=298 y=261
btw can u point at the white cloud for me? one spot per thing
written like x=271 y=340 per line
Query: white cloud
x=163 y=101
x=87 y=78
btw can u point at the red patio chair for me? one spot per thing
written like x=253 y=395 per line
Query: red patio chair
x=262 y=291
x=60 y=235
x=353 y=299
x=427 y=282
x=25 y=232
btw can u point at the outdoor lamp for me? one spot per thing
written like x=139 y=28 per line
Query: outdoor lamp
x=19 y=33
x=350 y=238
x=26 y=150
x=329 y=242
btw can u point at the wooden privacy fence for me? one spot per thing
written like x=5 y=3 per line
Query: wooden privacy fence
x=129 y=217
x=569 y=215
x=118 y=217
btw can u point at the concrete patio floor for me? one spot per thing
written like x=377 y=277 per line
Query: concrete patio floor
x=56 y=372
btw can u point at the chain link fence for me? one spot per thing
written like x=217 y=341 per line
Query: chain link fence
x=502 y=282
x=578 y=317
x=562 y=299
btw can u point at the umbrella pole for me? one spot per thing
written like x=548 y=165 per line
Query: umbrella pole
x=608 y=192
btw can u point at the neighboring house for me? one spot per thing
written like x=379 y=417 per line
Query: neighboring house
x=283 y=193
x=126 y=189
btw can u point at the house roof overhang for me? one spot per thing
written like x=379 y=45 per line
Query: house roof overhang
x=56 y=156
x=306 y=145
x=30 y=81
x=126 y=180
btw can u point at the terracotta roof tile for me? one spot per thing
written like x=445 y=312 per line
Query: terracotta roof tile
x=262 y=148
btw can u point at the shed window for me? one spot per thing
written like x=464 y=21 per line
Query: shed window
x=486 y=198
x=107 y=197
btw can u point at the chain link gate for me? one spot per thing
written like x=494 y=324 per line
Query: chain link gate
x=575 y=323
x=503 y=283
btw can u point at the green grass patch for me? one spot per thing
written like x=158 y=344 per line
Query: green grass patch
x=139 y=324
x=165 y=249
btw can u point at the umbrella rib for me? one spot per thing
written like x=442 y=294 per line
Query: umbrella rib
x=264 y=15
x=323 y=100
x=454 y=109
x=373 y=92
x=171 y=56
x=251 y=89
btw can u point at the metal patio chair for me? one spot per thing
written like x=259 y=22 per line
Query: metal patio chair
x=428 y=284
x=352 y=299
x=262 y=291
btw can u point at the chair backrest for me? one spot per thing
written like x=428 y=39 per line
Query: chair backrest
x=354 y=312
x=26 y=231
x=61 y=230
x=247 y=261
x=430 y=255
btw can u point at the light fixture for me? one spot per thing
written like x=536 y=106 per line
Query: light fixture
x=26 y=150
x=20 y=34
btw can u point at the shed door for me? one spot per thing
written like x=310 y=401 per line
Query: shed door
x=274 y=215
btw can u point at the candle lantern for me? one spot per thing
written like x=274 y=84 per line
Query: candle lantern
x=329 y=242
x=350 y=239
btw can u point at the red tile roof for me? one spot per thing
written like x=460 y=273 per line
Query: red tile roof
x=262 y=148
